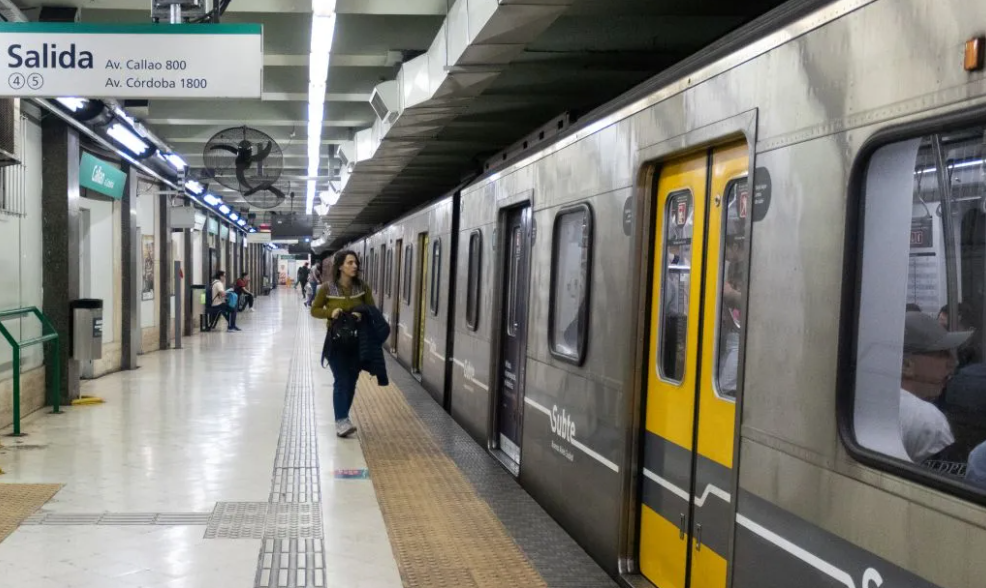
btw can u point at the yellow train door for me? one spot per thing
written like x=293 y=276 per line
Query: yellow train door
x=695 y=332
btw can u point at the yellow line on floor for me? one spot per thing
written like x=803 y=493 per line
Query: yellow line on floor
x=442 y=532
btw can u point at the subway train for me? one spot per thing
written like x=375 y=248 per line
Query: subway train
x=699 y=331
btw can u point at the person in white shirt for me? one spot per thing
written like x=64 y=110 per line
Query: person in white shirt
x=218 y=304
x=929 y=360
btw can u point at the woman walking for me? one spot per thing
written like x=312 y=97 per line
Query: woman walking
x=335 y=301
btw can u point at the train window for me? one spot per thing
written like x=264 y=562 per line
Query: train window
x=436 y=275
x=369 y=270
x=408 y=267
x=382 y=269
x=674 y=283
x=390 y=272
x=472 y=280
x=568 y=315
x=920 y=380
x=731 y=279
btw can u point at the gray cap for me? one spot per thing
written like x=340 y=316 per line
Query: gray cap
x=923 y=334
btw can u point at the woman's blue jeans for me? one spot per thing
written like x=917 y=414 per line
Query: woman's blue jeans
x=345 y=372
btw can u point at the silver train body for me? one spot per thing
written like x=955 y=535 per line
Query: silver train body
x=809 y=99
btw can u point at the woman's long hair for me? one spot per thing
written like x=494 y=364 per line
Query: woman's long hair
x=340 y=258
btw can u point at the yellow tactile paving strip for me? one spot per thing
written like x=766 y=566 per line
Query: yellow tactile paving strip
x=19 y=501
x=443 y=533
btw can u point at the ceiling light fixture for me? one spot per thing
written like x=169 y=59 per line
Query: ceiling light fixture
x=241 y=222
x=73 y=104
x=234 y=217
x=128 y=139
x=223 y=209
x=194 y=187
x=323 y=31
x=176 y=161
x=212 y=200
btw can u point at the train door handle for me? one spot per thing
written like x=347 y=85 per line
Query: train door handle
x=681 y=527
x=698 y=536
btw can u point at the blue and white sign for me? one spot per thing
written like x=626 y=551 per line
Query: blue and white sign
x=49 y=60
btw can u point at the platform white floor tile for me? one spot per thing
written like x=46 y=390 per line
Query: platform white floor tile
x=187 y=430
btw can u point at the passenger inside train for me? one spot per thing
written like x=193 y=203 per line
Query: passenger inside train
x=925 y=239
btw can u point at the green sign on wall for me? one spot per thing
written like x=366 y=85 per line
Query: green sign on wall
x=96 y=174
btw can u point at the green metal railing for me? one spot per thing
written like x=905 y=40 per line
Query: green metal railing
x=48 y=334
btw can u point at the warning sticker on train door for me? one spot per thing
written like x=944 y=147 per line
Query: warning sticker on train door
x=681 y=202
x=761 y=193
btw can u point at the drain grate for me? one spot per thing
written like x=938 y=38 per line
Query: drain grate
x=265 y=520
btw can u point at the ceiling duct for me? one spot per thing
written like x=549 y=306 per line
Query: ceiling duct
x=347 y=154
x=476 y=41
x=386 y=101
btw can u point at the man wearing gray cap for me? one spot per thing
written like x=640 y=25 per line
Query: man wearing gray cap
x=929 y=360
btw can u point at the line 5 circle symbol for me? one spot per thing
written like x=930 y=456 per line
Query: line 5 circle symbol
x=35 y=81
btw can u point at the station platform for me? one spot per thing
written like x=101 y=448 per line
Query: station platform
x=217 y=465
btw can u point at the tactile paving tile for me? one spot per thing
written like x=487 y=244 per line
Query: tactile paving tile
x=555 y=555
x=175 y=519
x=442 y=532
x=20 y=501
x=291 y=562
x=265 y=520
x=291 y=522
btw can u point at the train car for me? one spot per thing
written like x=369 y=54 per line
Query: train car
x=407 y=264
x=729 y=330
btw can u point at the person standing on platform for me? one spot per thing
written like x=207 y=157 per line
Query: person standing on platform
x=303 y=273
x=338 y=296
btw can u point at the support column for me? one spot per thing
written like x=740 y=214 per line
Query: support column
x=130 y=264
x=60 y=245
x=187 y=266
x=165 y=270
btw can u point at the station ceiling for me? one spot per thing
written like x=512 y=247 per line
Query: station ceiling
x=585 y=52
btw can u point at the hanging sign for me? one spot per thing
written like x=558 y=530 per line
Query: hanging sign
x=87 y=60
x=103 y=177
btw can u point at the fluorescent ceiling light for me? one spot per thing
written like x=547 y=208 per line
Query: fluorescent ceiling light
x=127 y=138
x=194 y=187
x=234 y=217
x=241 y=222
x=73 y=104
x=212 y=200
x=223 y=209
x=323 y=32
x=323 y=7
x=176 y=160
x=321 y=209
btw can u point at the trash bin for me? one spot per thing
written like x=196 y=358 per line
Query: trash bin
x=198 y=304
x=87 y=329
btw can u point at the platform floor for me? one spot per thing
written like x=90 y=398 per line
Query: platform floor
x=217 y=465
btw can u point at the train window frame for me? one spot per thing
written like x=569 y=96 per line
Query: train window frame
x=382 y=270
x=661 y=372
x=732 y=182
x=849 y=326
x=474 y=271
x=390 y=272
x=408 y=272
x=582 y=338
x=435 y=277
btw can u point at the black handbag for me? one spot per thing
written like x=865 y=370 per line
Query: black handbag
x=344 y=333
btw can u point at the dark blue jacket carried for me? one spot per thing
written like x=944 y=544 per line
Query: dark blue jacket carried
x=373 y=334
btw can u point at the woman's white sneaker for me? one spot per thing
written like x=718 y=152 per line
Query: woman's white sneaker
x=345 y=428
